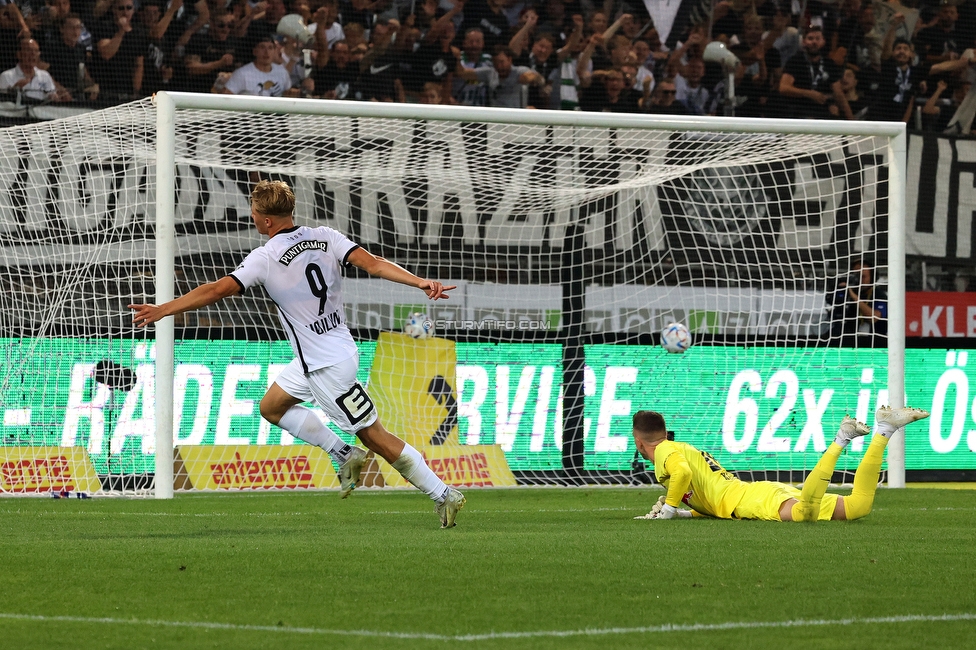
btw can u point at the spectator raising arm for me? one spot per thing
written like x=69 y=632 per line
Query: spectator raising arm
x=889 y=40
x=954 y=65
x=931 y=107
x=645 y=99
x=674 y=62
x=522 y=36
x=322 y=51
x=203 y=18
x=101 y=8
x=575 y=38
x=159 y=29
x=109 y=47
x=243 y=21
x=437 y=27
x=840 y=99
x=615 y=27
x=583 y=68
x=137 y=75
x=11 y=18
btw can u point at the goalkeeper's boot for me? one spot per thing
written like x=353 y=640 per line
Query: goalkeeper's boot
x=350 y=470
x=899 y=417
x=850 y=429
x=448 y=508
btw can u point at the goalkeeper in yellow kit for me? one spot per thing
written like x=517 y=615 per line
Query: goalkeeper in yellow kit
x=696 y=479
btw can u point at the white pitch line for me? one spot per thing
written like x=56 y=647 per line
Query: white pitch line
x=653 y=629
x=424 y=512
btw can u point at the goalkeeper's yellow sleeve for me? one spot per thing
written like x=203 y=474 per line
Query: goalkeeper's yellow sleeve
x=679 y=472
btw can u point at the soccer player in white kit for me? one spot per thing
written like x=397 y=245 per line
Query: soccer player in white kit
x=301 y=269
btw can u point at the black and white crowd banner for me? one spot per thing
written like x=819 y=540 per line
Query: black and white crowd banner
x=941 y=198
x=68 y=200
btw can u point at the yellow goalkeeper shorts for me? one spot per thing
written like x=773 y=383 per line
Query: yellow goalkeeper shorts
x=763 y=499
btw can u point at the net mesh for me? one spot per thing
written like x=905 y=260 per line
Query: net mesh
x=572 y=248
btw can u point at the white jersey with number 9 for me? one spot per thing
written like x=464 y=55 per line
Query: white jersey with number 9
x=301 y=269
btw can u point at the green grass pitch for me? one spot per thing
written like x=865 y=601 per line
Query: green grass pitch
x=525 y=568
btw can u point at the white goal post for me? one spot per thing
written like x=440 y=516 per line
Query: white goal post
x=169 y=105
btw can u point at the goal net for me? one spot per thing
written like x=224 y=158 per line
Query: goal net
x=573 y=239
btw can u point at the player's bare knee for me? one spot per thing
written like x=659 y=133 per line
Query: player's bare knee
x=271 y=410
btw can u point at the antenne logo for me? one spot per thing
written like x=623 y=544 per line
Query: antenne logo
x=462 y=469
x=263 y=474
x=26 y=470
x=253 y=467
x=36 y=475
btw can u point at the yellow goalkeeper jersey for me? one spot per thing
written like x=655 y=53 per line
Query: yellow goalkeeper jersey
x=696 y=479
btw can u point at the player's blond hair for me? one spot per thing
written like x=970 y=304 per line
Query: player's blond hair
x=273 y=198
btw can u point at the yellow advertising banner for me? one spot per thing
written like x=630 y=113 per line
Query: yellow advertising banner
x=256 y=467
x=458 y=466
x=28 y=470
x=412 y=384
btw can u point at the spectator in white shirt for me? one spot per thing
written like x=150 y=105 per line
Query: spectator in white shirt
x=690 y=90
x=261 y=76
x=27 y=78
x=505 y=81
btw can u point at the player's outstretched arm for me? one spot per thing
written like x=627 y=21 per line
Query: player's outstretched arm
x=384 y=268
x=205 y=294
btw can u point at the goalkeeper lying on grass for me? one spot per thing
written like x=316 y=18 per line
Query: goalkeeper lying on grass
x=695 y=478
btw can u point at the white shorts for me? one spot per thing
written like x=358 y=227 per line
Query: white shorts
x=334 y=389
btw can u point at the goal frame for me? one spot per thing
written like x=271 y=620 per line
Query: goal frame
x=167 y=103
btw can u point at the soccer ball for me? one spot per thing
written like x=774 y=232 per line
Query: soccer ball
x=675 y=338
x=418 y=326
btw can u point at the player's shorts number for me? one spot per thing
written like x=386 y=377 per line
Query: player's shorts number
x=355 y=403
x=317 y=285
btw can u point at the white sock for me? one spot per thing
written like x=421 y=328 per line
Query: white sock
x=841 y=440
x=302 y=423
x=412 y=467
x=885 y=429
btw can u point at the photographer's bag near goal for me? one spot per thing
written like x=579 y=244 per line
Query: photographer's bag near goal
x=574 y=238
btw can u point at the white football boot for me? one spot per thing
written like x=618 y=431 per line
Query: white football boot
x=350 y=470
x=850 y=429
x=899 y=417
x=448 y=508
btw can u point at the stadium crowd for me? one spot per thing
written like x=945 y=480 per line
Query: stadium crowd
x=849 y=59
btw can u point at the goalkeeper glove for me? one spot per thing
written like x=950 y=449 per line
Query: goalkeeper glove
x=667 y=512
x=661 y=510
x=655 y=509
x=670 y=512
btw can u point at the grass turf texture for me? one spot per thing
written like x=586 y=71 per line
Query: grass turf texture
x=528 y=560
